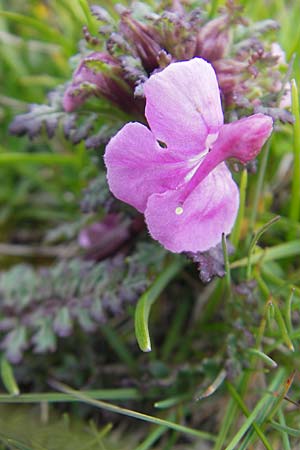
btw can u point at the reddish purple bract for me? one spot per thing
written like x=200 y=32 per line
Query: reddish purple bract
x=185 y=190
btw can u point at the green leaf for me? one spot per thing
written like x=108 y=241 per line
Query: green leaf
x=236 y=232
x=269 y=361
x=146 y=301
x=295 y=197
x=282 y=327
x=291 y=431
x=280 y=251
x=8 y=378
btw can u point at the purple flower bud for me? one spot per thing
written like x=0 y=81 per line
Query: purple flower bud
x=213 y=39
x=230 y=73
x=103 y=238
x=147 y=49
x=98 y=74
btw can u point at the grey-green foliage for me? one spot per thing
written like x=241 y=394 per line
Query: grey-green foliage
x=37 y=306
x=76 y=126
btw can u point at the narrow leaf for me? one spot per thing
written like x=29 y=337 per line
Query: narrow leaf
x=130 y=413
x=269 y=361
x=8 y=377
x=280 y=251
x=146 y=301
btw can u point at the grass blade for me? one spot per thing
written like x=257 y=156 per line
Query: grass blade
x=259 y=186
x=130 y=413
x=246 y=412
x=269 y=361
x=290 y=431
x=13 y=158
x=262 y=405
x=286 y=250
x=236 y=232
x=53 y=397
x=295 y=197
x=44 y=30
x=285 y=436
x=146 y=301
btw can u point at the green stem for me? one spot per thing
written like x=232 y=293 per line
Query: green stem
x=88 y=16
x=259 y=186
x=295 y=198
x=236 y=233
x=226 y=262
x=214 y=8
x=288 y=311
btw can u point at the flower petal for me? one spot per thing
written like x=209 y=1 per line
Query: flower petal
x=209 y=211
x=137 y=166
x=183 y=105
x=243 y=139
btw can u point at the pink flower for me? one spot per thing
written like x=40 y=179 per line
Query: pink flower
x=183 y=187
